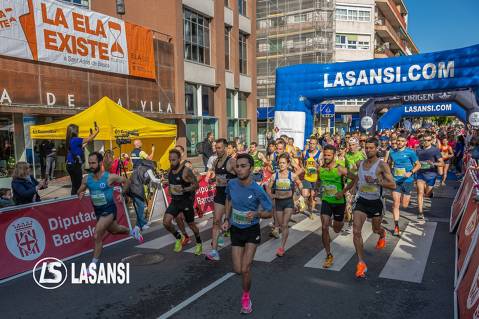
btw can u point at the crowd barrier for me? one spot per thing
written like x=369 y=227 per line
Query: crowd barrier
x=464 y=213
x=61 y=228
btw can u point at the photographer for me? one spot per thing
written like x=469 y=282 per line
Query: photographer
x=138 y=154
x=75 y=155
x=142 y=175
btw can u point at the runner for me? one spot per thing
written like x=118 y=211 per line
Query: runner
x=383 y=152
x=242 y=218
x=281 y=189
x=310 y=163
x=352 y=157
x=100 y=185
x=373 y=175
x=182 y=186
x=224 y=170
x=447 y=154
x=259 y=162
x=405 y=164
x=333 y=204
x=429 y=158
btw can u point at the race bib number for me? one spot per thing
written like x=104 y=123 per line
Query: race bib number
x=98 y=199
x=330 y=190
x=399 y=171
x=368 y=188
x=283 y=184
x=425 y=165
x=176 y=190
x=240 y=218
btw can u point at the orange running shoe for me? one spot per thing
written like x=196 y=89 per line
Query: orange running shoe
x=361 y=269
x=381 y=241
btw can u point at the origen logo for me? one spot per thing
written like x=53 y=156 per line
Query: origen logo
x=52 y=274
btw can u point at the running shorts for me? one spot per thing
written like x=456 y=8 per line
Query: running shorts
x=372 y=208
x=309 y=185
x=429 y=179
x=283 y=203
x=404 y=187
x=185 y=207
x=333 y=210
x=220 y=197
x=241 y=236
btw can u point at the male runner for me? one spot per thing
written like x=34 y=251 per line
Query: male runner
x=100 y=184
x=333 y=204
x=224 y=170
x=373 y=174
x=244 y=197
x=383 y=151
x=259 y=162
x=430 y=157
x=352 y=157
x=405 y=164
x=182 y=186
x=310 y=163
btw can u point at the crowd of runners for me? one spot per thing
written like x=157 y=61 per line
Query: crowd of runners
x=341 y=179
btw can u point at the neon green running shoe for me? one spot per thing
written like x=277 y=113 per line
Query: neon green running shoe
x=178 y=244
x=198 y=249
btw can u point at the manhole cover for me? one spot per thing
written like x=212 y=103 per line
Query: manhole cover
x=144 y=259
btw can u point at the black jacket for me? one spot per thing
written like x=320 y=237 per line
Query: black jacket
x=208 y=148
x=24 y=191
x=139 y=178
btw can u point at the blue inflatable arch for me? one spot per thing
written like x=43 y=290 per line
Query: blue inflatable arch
x=299 y=87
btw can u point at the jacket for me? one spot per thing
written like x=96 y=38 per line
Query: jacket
x=139 y=178
x=24 y=191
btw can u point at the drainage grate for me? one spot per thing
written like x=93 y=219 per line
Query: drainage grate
x=144 y=259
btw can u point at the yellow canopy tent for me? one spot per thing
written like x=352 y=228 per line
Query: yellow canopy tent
x=113 y=120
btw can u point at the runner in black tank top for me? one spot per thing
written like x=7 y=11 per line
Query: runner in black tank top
x=182 y=186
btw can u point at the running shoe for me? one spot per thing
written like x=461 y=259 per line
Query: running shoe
x=186 y=240
x=396 y=231
x=178 y=245
x=145 y=227
x=381 y=241
x=361 y=269
x=246 y=305
x=227 y=233
x=420 y=216
x=311 y=215
x=221 y=241
x=136 y=233
x=213 y=255
x=329 y=261
x=275 y=233
x=198 y=249
x=280 y=252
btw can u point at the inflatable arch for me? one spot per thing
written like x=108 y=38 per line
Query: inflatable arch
x=299 y=87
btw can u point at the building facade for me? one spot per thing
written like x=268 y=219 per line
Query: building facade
x=349 y=30
x=204 y=58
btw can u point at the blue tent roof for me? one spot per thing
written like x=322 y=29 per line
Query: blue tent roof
x=265 y=113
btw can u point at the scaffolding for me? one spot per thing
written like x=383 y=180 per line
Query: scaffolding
x=291 y=32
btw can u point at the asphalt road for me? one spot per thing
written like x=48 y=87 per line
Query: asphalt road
x=282 y=287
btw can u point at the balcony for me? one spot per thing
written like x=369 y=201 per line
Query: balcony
x=388 y=34
x=390 y=10
x=381 y=52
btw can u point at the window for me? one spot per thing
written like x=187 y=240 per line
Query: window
x=353 y=14
x=353 y=41
x=243 y=53
x=242 y=7
x=227 y=47
x=207 y=100
x=83 y=3
x=227 y=4
x=191 y=99
x=196 y=29
x=242 y=105
x=230 y=96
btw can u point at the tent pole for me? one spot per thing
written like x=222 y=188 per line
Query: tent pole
x=33 y=159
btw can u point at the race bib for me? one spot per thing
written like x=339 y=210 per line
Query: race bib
x=330 y=190
x=311 y=171
x=98 y=199
x=240 y=218
x=176 y=189
x=368 y=188
x=399 y=171
x=425 y=165
x=283 y=184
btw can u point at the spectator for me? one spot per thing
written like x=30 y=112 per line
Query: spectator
x=205 y=148
x=6 y=197
x=459 y=153
x=75 y=155
x=51 y=160
x=137 y=154
x=24 y=186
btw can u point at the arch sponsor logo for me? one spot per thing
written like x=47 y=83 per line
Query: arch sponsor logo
x=50 y=273
x=25 y=238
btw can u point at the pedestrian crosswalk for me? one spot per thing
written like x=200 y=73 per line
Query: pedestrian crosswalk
x=406 y=261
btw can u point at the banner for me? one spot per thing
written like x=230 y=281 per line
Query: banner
x=461 y=199
x=465 y=232
x=467 y=290
x=62 y=229
x=290 y=124
x=56 y=32
x=204 y=198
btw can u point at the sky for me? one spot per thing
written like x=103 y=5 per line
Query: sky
x=436 y=25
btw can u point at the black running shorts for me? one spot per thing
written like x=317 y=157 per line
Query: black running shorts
x=241 y=236
x=185 y=207
x=372 y=208
x=336 y=210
